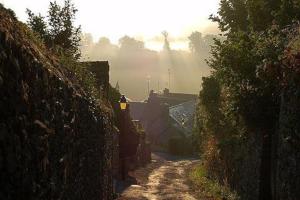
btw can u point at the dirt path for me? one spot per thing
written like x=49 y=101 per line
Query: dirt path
x=164 y=179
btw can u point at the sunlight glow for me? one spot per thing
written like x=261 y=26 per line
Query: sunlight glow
x=142 y=19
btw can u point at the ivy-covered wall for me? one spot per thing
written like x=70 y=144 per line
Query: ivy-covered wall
x=55 y=141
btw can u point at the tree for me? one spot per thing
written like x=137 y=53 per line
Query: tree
x=255 y=15
x=38 y=24
x=166 y=43
x=130 y=44
x=196 y=43
x=232 y=15
x=57 y=29
x=104 y=41
x=242 y=65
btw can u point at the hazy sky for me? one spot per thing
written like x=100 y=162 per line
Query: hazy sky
x=142 y=19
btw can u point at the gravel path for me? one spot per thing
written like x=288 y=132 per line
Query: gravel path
x=165 y=178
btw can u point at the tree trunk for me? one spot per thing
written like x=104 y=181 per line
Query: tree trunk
x=265 y=192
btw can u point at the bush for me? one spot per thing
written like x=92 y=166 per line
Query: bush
x=208 y=188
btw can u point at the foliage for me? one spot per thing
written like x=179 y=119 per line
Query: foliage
x=85 y=78
x=58 y=33
x=211 y=91
x=196 y=42
x=207 y=188
x=243 y=94
x=37 y=24
x=57 y=29
x=240 y=62
x=114 y=96
x=255 y=15
x=10 y=11
x=129 y=44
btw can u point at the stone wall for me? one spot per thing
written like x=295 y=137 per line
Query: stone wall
x=55 y=142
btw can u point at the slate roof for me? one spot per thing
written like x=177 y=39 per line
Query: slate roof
x=175 y=98
x=183 y=116
x=163 y=124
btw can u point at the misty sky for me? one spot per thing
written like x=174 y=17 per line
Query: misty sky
x=142 y=19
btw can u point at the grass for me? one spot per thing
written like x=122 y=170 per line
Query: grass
x=207 y=188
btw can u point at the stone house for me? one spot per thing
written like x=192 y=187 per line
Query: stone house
x=165 y=116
